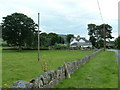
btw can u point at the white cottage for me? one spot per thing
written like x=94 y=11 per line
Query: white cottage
x=80 y=42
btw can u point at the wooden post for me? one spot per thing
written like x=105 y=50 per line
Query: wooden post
x=66 y=71
x=38 y=39
x=104 y=30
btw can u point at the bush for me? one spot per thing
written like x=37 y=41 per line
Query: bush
x=75 y=48
x=60 y=46
x=117 y=43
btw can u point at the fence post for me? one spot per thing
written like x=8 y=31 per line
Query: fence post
x=67 y=74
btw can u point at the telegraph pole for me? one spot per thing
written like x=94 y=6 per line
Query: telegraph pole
x=104 y=30
x=38 y=39
x=104 y=36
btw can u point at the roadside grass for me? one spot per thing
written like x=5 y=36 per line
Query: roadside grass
x=0 y=67
x=0 y=62
x=24 y=65
x=100 y=72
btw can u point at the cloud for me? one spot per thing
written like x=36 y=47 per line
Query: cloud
x=64 y=16
x=25 y=10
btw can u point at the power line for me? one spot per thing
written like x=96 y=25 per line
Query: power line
x=104 y=31
x=100 y=11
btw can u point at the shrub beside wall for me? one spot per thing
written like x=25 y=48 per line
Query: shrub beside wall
x=52 y=78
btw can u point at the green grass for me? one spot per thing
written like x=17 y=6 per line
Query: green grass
x=0 y=67
x=24 y=65
x=0 y=63
x=100 y=72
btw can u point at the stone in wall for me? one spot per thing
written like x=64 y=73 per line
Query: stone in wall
x=47 y=76
x=44 y=79
x=83 y=60
x=59 y=73
x=37 y=82
x=22 y=84
x=80 y=62
x=51 y=74
x=62 y=69
x=87 y=58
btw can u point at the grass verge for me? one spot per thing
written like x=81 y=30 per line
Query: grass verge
x=0 y=67
x=99 y=72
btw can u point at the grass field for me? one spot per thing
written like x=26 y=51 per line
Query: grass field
x=99 y=72
x=24 y=65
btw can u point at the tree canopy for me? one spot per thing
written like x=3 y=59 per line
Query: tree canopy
x=98 y=32
x=69 y=36
x=18 y=28
x=117 y=42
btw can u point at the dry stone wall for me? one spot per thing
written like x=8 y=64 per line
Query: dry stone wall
x=52 y=78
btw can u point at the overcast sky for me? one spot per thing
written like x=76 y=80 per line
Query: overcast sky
x=65 y=16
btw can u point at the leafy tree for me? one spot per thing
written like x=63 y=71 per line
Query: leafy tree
x=100 y=43
x=106 y=33
x=117 y=42
x=103 y=30
x=35 y=41
x=92 y=39
x=53 y=38
x=91 y=29
x=69 y=36
x=44 y=34
x=44 y=40
x=97 y=33
x=0 y=31
x=17 y=28
x=47 y=40
x=52 y=34
x=92 y=33
x=60 y=40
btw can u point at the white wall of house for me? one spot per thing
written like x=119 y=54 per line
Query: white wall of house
x=82 y=43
